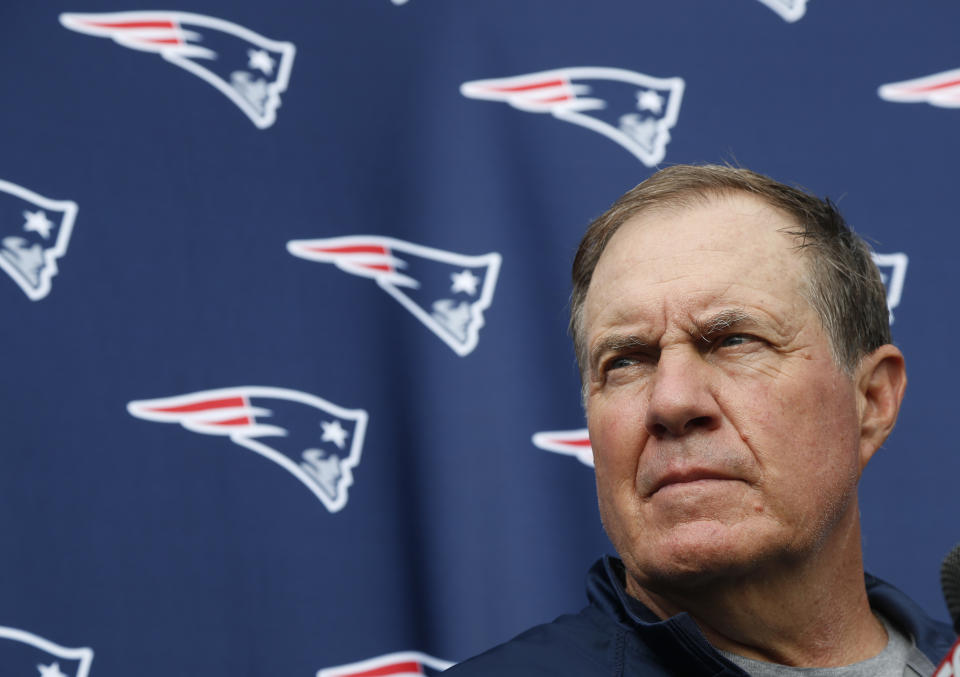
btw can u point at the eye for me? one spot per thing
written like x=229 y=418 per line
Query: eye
x=628 y=360
x=620 y=363
x=735 y=340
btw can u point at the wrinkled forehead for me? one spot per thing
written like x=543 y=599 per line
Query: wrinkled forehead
x=719 y=212
x=745 y=225
x=720 y=244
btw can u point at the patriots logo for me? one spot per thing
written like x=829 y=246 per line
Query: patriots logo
x=34 y=233
x=27 y=654
x=251 y=70
x=789 y=10
x=400 y=664
x=447 y=292
x=574 y=443
x=635 y=110
x=939 y=89
x=315 y=440
x=893 y=271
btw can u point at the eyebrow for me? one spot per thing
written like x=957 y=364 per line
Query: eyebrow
x=729 y=318
x=704 y=330
x=615 y=343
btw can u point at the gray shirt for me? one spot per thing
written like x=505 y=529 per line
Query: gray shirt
x=900 y=658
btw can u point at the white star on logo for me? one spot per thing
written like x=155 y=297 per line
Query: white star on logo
x=649 y=100
x=259 y=58
x=464 y=281
x=52 y=670
x=334 y=432
x=37 y=222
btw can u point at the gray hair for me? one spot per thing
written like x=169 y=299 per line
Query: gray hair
x=843 y=286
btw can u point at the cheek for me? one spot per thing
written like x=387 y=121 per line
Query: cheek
x=807 y=431
x=616 y=432
x=615 y=435
x=618 y=437
x=827 y=413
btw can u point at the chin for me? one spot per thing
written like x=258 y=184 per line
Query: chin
x=696 y=554
x=695 y=572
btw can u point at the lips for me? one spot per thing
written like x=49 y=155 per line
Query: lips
x=687 y=476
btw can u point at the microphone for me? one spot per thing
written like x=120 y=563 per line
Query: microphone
x=950 y=583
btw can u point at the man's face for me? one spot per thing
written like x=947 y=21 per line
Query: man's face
x=725 y=437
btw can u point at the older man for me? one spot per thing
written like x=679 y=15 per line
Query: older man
x=738 y=375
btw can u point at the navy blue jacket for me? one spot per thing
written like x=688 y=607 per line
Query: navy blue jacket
x=617 y=636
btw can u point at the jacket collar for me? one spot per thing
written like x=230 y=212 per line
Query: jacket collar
x=677 y=640
x=606 y=591
x=933 y=638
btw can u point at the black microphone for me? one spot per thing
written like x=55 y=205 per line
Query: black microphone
x=950 y=582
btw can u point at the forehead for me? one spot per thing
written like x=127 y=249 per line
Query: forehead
x=725 y=250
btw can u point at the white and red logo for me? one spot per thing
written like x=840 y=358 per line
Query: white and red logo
x=633 y=109
x=317 y=441
x=34 y=233
x=400 y=664
x=23 y=653
x=574 y=443
x=893 y=272
x=789 y=10
x=446 y=291
x=950 y=665
x=940 y=89
x=249 y=69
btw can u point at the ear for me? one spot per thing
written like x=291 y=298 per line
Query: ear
x=881 y=379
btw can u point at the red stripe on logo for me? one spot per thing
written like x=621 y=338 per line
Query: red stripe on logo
x=394 y=669
x=243 y=420
x=355 y=249
x=554 y=99
x=527 y=88
x=133 y=24
x=932 y=88
x=203 y=406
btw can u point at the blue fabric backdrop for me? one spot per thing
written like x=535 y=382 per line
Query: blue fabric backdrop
x=286 y=384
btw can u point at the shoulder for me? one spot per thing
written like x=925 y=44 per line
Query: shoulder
x=932 y=637
x=576 y=645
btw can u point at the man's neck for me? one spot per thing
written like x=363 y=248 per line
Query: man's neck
x=813 y=615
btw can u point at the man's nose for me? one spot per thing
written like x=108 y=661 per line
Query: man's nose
x=681 y=397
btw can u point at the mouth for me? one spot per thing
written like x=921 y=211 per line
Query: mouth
x=690 y=477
